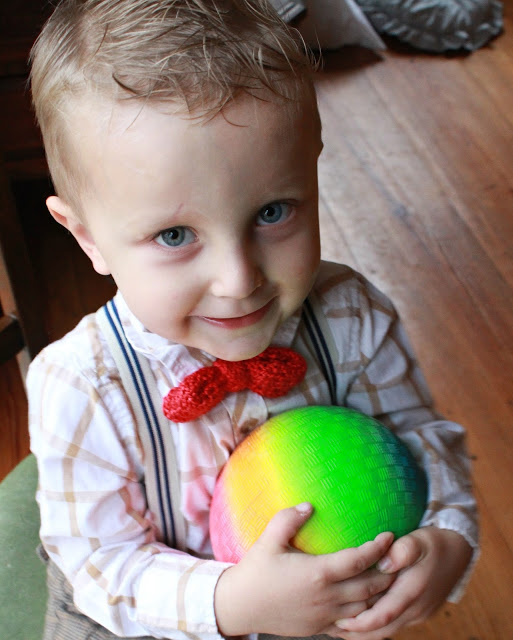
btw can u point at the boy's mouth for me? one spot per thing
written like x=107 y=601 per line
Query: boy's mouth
x=241 y=321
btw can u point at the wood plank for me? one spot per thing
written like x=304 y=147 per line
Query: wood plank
x=14 y=440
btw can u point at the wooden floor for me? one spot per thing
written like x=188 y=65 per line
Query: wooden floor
x=416 y=184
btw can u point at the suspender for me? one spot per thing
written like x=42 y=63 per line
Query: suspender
x=161 y=470
x=322 y=341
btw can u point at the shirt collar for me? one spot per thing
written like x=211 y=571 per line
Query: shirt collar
x=177 y=358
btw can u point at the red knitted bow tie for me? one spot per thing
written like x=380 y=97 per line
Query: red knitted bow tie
x=271 y=374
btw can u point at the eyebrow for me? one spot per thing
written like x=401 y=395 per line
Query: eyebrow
x=157 y=222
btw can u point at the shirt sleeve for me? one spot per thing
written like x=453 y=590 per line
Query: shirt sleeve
x=389 y=385
x=95 y=524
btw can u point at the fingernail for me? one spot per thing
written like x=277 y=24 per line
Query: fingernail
x=341 y=624
x=304 y=508
x=385 y=564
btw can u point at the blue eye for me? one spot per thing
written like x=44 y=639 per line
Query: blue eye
x=175 y=237
x=273 y=213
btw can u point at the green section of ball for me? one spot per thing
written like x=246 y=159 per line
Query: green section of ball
x=360 y=478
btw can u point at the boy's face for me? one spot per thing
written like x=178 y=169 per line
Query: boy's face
x=210 y=229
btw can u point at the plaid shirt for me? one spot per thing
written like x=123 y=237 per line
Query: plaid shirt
x=95 y=522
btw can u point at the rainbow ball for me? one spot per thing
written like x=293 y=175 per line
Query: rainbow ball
x=359 y=477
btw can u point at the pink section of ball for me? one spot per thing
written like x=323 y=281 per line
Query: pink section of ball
x=225 y=544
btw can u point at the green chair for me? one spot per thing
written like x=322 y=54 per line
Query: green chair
x=22 y=574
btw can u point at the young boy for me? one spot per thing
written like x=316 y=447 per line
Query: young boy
x=183 y=138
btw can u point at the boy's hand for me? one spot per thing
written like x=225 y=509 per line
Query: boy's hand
x=428 y=563
x=276 y=589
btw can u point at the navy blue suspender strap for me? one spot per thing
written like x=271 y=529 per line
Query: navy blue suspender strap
x=161 y=472
x=320 y=336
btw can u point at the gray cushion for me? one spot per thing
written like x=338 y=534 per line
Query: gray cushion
x=437 y=25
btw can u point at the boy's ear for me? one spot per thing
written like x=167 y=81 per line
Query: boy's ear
x=65 y=215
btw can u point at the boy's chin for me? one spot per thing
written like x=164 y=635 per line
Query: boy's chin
x=238 y=349
x=236 y=355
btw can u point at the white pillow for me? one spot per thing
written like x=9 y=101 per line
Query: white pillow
x=330 y=24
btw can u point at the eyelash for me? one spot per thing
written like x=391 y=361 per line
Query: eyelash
x=267 y=207
x=184 y=236
x=183 y=232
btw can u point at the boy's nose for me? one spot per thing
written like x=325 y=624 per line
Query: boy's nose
x=235 y=275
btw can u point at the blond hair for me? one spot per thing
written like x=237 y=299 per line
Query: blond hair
x=197 y=54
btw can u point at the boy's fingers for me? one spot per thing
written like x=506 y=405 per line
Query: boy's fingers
x=384 y=613
x=405 y=552
x=352 y=562
x=364 y=587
